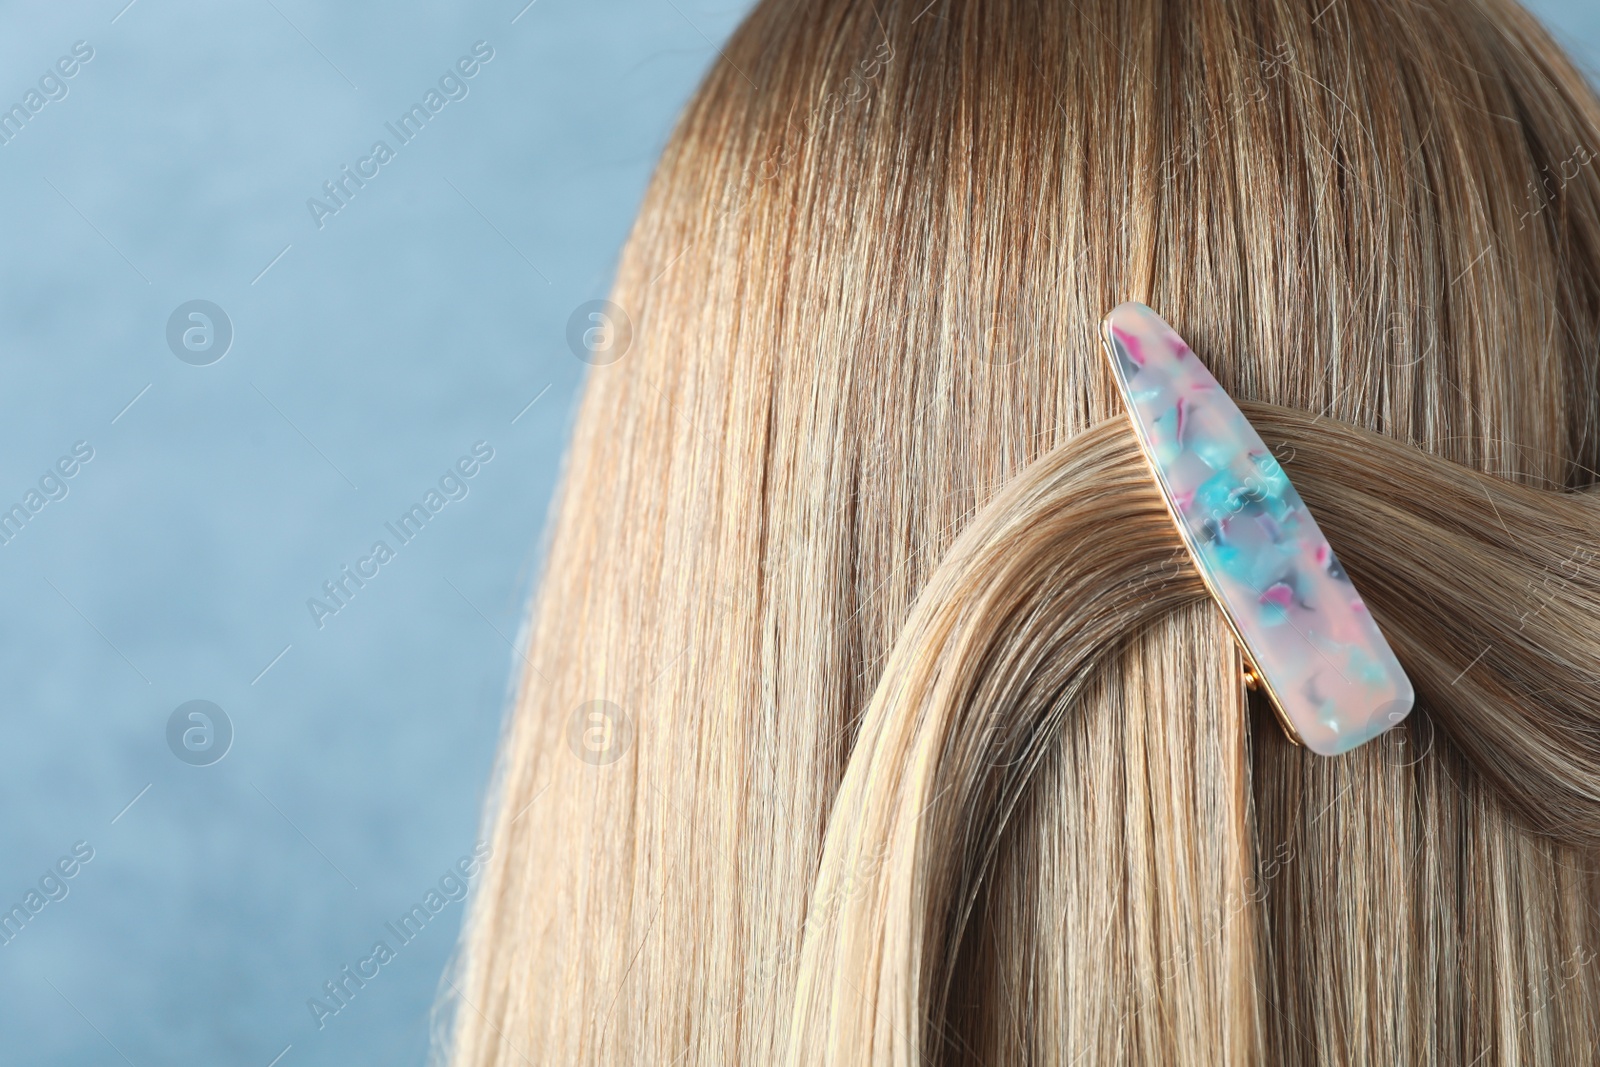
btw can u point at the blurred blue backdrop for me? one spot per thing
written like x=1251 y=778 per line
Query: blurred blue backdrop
x=187 y=485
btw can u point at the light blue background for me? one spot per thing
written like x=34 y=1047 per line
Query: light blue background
x=423 y=317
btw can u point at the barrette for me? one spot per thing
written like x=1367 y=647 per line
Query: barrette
x=1308 y=641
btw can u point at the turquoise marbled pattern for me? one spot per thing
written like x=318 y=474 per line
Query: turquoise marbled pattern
x=1317 y=650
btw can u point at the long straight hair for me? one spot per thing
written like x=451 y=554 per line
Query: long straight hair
x=873 y=713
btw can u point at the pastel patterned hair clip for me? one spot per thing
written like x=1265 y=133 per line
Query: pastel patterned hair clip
x=1309 y=643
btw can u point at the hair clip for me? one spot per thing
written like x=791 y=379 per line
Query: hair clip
x=1308 y=641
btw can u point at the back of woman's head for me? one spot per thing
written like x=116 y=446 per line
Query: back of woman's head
x=873 y=712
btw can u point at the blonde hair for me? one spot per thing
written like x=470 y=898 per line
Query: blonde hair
x=920 y=741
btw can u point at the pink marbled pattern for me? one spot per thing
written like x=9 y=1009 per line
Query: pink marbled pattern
x=1319 y=652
